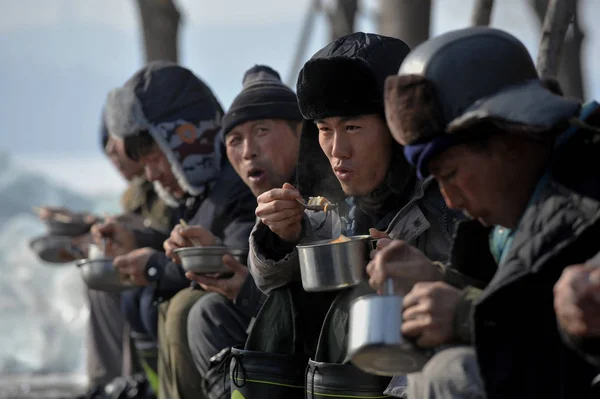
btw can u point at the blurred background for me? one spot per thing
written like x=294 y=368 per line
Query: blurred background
x=60 y=57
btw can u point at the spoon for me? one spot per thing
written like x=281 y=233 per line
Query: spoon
x=317 y=208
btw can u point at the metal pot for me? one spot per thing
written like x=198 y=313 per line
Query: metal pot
x=100 y=274
x=375 y=344
x=55 y=249
x=209 y=260
x=327 y=266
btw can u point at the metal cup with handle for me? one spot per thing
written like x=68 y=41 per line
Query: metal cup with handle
x=375 y=344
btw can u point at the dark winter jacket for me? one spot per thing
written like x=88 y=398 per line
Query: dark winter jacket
x=518 y=343
x=227 y=211
x=356 y=67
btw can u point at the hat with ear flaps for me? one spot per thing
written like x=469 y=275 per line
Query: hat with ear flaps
x=460 y=79
x=179 y=112
x=346 y=78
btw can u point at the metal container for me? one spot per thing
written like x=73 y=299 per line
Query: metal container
x=73 y=228
x=100 y=274
x=327 y=266
x=375 y=343
x=55 y=249
x=209 y=260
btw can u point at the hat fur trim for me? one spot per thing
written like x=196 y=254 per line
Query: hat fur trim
x=411 y=109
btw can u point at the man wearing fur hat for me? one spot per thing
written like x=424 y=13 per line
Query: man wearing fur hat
x=347 y=155
x=169 y=120
x=522 y=161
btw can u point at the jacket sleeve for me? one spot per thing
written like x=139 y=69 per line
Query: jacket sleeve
x=238 y=226
x=587 y=348
x=273 y=263
x=463 y=316
x=167 y=276
x=471 y=290
x=149 y=238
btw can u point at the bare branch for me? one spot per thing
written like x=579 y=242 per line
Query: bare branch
x=482 y=13
x=554 y=29
x=307 y=28
x=569 y=72
x=160 y=25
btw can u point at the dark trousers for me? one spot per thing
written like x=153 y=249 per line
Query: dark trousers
x=214 y=323
x=141 y=312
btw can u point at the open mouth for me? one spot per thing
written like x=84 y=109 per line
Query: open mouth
x=256 y=175
x=343 y=173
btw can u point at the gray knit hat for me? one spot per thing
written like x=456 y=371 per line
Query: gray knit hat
x=263 y=96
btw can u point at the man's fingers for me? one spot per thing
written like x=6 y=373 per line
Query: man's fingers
x=209 y=283
x=120 y=262
x=232 y=264
x=198 y=233
x=383 y=243
x=178 y=240
x=416 y=294
x=278 y=194
x=170 y=250
x=414 y=328
x=421 y=309
x=282 y=225
x=396 y=250
x=288 y=186
x=282 y=215
x=264 y=210
x=374 y=233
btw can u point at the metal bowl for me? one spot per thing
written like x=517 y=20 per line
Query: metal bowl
x=55 y=249
x=327 y=266
x=100 y=274
x=74 y=228
x=209 y=260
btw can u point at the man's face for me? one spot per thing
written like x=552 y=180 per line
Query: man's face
x=158 y=168
x=480 y=182
x=115 y=150
x=263 y=153
x=358 y=149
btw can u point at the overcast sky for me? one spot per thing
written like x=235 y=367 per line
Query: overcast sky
x=60 y=57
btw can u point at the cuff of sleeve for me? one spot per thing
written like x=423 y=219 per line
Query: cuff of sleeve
x=155 y=267
x=463 y=315
x=459 y=280
x=276 y=248
x=587 y=347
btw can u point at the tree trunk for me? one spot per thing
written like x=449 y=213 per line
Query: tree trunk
x=307 y=28
x=341 y=18
x=160 y=25
x=569 y=64
x=407 y=20
x=482 y=12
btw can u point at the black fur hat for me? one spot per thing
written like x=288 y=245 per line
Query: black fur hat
x=346 y=78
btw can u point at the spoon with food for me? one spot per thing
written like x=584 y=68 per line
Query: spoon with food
x=317 y=204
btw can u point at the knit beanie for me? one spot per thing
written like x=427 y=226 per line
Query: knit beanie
x=263 y=96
